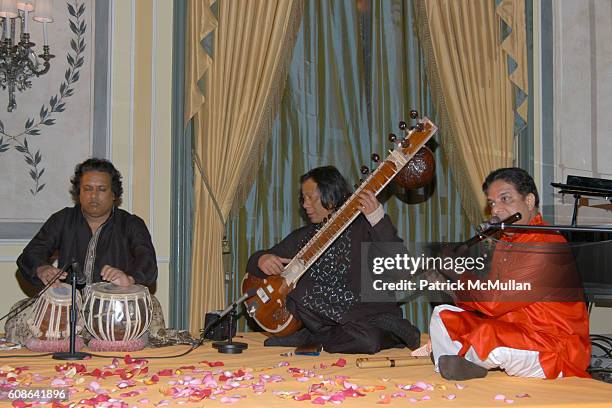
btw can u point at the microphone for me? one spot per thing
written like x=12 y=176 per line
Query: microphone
x=487 y=224
x=76 y=270
x=488 y=228
x=241 y=299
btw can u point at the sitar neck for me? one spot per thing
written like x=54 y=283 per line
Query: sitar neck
x=346 y=214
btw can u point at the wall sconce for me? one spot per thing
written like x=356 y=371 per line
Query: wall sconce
x=18 y=60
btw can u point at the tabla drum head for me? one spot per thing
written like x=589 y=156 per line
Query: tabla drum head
x=111 y=288
x=61 y=294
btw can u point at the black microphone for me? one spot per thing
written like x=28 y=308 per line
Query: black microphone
x=241 y=299
x=76 y=269
x=488 y=228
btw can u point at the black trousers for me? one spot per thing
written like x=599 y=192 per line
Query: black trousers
x=351 y=337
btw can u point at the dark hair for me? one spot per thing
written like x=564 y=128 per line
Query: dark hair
x=333 y=187
x=101 y=165
x=519 y=178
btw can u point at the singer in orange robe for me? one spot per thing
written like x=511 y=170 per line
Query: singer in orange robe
x=542 y=331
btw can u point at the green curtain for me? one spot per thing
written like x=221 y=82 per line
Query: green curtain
x=356 y=71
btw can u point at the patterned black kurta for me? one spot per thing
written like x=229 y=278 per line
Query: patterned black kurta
x=326 y=298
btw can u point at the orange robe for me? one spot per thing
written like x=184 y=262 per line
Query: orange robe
x=549 y=319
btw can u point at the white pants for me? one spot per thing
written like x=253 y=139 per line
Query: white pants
x=520 y=363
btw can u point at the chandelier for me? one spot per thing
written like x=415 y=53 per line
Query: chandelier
x=18 y=60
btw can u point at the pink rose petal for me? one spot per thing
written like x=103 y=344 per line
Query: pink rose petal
x=340 y=363
x=499 y=397
x=229 y=400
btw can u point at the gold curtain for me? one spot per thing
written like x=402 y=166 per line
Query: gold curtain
x=468 y=69
x=243 y=81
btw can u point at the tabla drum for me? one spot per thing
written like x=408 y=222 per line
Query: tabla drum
x=49 y=320
x=117 y=317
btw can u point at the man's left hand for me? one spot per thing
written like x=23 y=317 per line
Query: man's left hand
x=116 y=276
x=367 y=202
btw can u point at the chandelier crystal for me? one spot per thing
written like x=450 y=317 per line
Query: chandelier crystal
x=18 y=60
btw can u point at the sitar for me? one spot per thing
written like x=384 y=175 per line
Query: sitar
x=267 y=299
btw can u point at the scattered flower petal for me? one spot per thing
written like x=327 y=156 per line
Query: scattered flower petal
x=340 y=363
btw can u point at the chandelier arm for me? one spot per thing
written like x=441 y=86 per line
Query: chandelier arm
x=46 y=66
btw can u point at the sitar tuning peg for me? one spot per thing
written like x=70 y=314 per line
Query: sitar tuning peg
x=405 y=143
x=420 y=127
x=375 y=157
x=403 y=125
x=414 y=114
x=392 y=137
x=364 y=170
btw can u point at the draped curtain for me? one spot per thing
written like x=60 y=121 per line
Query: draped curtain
x=236 y=63
x=467 y=64
x=357 y=70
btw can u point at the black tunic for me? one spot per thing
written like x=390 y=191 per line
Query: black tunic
x=340 y=326
x=124 y=242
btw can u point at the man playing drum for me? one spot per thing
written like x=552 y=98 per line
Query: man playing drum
x=108 y=243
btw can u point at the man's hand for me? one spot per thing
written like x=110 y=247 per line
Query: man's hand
x=271 y=264
x=116 y=276
x=47 y=272
x=367 y=202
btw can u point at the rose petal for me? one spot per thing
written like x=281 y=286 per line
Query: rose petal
x=499 y=397
x=340 y=363
x=384 y=399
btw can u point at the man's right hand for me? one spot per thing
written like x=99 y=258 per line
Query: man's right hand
x=271 y=264
x=46 y=273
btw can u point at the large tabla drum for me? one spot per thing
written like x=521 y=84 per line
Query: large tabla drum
x=49 y=320
x=117 y=316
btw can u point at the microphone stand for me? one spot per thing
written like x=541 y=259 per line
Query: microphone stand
x=229 y=346
x=72 y=354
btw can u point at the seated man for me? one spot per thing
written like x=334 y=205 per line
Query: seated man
x=540 y=330
x=108 y=243
x=326 y=298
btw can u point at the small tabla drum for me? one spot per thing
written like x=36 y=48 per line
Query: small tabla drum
x=49 y=320
x=117 y=317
